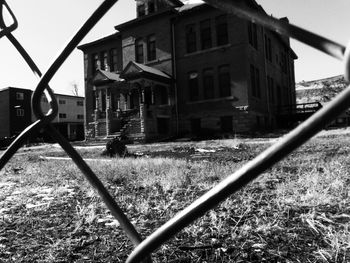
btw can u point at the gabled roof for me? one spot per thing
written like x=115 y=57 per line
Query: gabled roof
x=134 y=70
x=103 y=76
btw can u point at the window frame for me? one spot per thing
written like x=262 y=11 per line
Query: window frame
x=205 y=34
x=221 y=30
x=139 y=52
x=193 y=85
x=151 y=48
x=224 y=72
x=191 y=38
x=208 y=84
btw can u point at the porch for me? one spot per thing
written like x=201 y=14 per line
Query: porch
x=131 y=106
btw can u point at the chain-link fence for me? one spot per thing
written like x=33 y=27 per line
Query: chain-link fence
x=235 y=181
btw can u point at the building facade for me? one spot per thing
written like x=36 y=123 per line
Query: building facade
x=186 y=69
x=70 y=118
x=16 y=113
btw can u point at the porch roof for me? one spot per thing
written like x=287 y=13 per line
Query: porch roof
x=134 y=70
x=103 y=76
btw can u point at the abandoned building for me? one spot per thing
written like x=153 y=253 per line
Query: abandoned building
x=179 y=69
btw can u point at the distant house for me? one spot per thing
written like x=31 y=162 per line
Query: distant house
x=70 y=118
x=186 y=69
x=16 y=113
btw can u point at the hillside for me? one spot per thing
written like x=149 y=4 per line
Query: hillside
x=322 y=90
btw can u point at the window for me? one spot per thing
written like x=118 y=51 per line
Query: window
x=151 y=48
x=95 y=62
x=19 y=112
x=195 y=126
x=191 y=38
x=226 y=123
x=270 y=89
x=268 y=49
x=151 y=6
x=221 y=30
x=80 y=103
x=163 y=94
x=139 y=51
x=255 y=81
x=224 y=81
x=284 y=62
x=62 y=115
x=205 y=34
x=80 y=116
x=253 y=35
x=113 y=59
x=141 y=10
x=279 y=95
x=104 y=57
x=61 y=101
x=163 y=125
x=19 y=96
x=208 y=83
x=193 y=86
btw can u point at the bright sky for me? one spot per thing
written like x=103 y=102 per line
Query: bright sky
x=45 y=26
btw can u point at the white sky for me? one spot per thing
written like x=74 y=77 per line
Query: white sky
x=45 y=26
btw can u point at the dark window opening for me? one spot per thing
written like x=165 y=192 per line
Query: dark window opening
x=255 y=81
x=163 y=93
x=163 y=125
x=208 y=84
x=270 y=88
x=141 y=10
x=113 y=60
x=205 y=34
x=221 y=30
x=151 y=48
x=253 y=34
x=104 y=57
x=103 y=100
x=196 y=126
x=95 y=63
x=139 y=51
x=268 y=49
x=224 y=81
x=191 y=41
x=193 y=86
x=148 y=96
x=151 y=6
x=226 y=123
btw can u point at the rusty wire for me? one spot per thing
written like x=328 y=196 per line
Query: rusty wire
x=233 y=182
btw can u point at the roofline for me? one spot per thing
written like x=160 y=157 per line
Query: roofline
x=8 y=88
x=143 y=18
x=72 y=96
x=98 y=41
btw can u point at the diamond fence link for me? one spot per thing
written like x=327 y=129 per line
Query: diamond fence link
x=224 y=189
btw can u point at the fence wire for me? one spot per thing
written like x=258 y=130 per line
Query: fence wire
x=224 y=189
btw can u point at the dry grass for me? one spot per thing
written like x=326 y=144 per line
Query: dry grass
x=297 y=211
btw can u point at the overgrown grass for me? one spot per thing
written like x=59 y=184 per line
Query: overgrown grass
x=297 y=211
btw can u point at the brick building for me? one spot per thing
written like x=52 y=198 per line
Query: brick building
x=16 y=113
x=186 y=69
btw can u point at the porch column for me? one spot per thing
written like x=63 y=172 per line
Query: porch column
x=142 y=108
x=152 y=94
x=97 y=112
x=108 y=111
